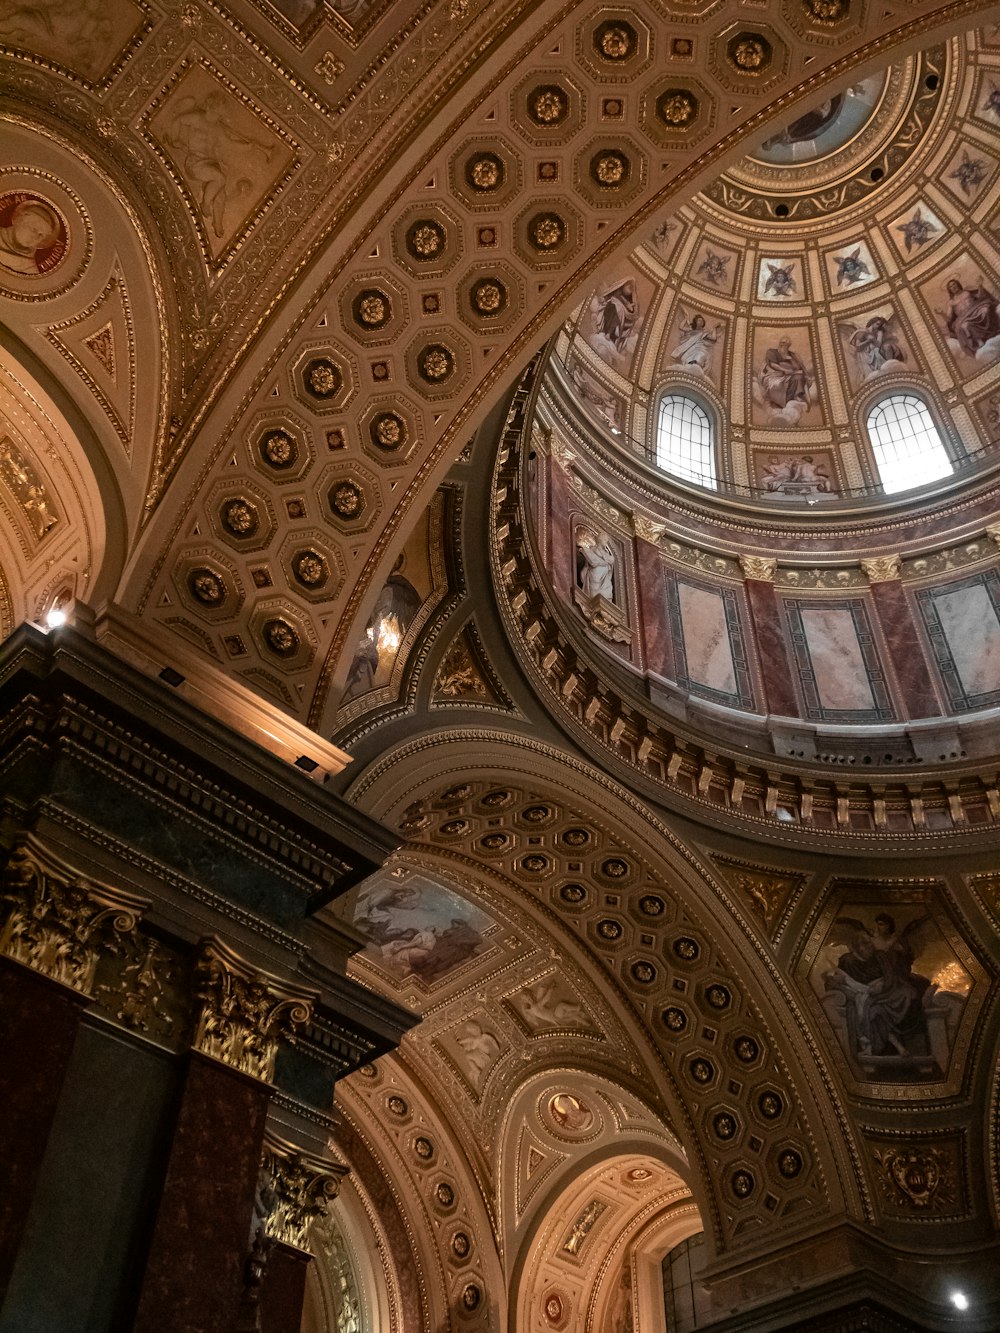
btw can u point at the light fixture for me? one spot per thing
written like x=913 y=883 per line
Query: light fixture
x=54 y=617
x=959 y=1300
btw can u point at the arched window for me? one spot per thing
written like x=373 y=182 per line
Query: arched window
x=907 y=445
x=684 y=446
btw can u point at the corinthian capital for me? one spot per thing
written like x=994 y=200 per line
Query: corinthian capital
x=244 y=1012
x=55 y=921
x=760 y=567
x=294 y=1191
x=882 y=568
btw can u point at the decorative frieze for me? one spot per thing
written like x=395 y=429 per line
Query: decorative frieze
x=56 y=921
x=245 y=1013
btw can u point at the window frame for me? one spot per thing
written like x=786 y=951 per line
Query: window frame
x=704 y=405
x=884 y=396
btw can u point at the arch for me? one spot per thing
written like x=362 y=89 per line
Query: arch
x=909 y=448
x=685 y=439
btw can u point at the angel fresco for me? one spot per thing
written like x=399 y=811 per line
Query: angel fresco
x=696 y=349
x=970 y=173
x=851 y=268
x=895 y=1022
x=780 y=279
x=876 y=346
x=917 y=230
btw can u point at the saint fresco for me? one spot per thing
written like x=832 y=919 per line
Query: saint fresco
x=614 y=319
x=606 y=406
x=873 y=347
x=893 y=990
x=801 y=475
x=967 y=305
x=784 y=384
x=695 y=343
x=419 y=929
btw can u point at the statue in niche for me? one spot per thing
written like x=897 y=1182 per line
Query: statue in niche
x=595 y=564
x=697 y=346
x=594 y=593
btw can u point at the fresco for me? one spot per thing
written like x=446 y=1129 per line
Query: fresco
x=601 y=402
x=915 y=230
x=714 y=266
x=784 y=386
x=967 y=172
x=780 y=279
x=695 y=342
x=416 y=928
x=227 y=158
x=850 y=266
x=614 y=317
x=33 y=234
x=875 y=346
x=892 y=989
x=966 y=305
x=795 y=474
x=84 y=36
x=825 y=127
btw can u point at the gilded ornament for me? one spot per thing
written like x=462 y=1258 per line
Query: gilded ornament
x=993 y=532
x=388 y=430
x=278 y=449
x=572 y=893
x=674 y=1019
x=372 y=309
x=488 y=296
x=55 y=922
x=643 y=972
x=742 y=1183
x=281 y=637
x=609 y=169
x=615 y=41
x=458 y=678
x=425 y=239
x=140 y=999
x=546 y=231
x=647 y=530
x=725 y=1125
x=749 y=52
x=295 y=1190
x=322 y=378
x=582 y=1227
x=240 y=517
x=485 y=172
x=328 y=67
x=770 y=1105
x=309 y=568
x=207 y=587
x=789 y=1163
x=347 y=499
x=827 y=11
x=759 y=567
x=882 y=568
x=916 y=1176
x=436 y=363
x=677 y=108
x=244 y=1013
x=548 y=105
x=701 y=1070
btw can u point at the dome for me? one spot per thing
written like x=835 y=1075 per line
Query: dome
x=761 y=473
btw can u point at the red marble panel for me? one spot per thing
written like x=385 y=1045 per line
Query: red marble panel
x=771 y=651
x=905 y=649
x=283 y=1290
x=653 y=611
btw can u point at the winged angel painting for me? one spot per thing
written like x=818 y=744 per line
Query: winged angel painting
x=894 y=992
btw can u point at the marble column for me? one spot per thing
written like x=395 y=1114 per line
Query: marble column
x=902 y=639
x=296 y=1188
x=196 y=1270
x=772 y=653
x=38 y=1024
x=54 y=926
x=653 y=598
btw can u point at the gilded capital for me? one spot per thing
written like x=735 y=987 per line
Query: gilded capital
x=295 y=1190
x=882 y=568
x=245 y=1013
x=993 y=532
x=55 y=921
x=760 y=567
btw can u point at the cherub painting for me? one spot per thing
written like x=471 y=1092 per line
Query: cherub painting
x=777 y=279
x=894 y=993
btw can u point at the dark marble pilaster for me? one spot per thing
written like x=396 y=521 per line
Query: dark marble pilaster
x=905 y=648
x=560 y=554
x=283 y=1290
x=771 y=650
x=38 y=1026
x=195 y=1272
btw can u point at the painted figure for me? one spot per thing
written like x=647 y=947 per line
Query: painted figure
x=397 y=604
x=783 y=386
x=211 y=149
x=886 y=995
x=972 y=319
x=780 y=280
x=30 y=235
x=617 y=315
x=876 y=348
x=697 y=346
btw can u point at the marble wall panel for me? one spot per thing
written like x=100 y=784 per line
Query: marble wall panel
x=707 y=633
x=837 y=660
x=963 y=623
